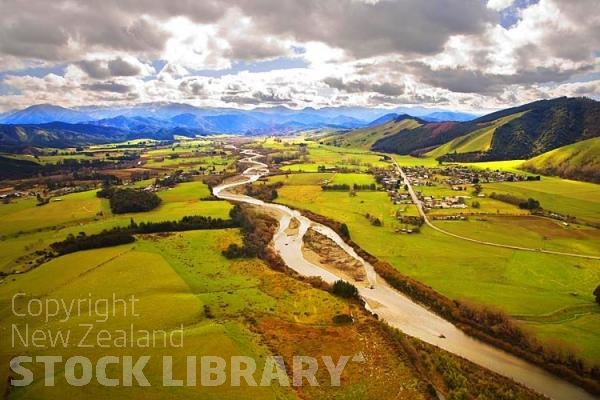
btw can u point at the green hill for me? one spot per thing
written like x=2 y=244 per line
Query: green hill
x=515 y=133
x=365 y=138
x=580 y=161
x=477 y=141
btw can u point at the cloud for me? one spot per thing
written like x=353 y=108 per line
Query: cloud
x=120 y=67
x=115 y=67
x=108 y=87
x=62 y=30
x=346 y=52
x=360 y=86
x=367 y=29
x=464 y=80
x=499 y=4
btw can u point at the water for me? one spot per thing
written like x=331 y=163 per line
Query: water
x=392 y=306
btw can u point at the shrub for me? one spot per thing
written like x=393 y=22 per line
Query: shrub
x=342 y=319
x=345 y=290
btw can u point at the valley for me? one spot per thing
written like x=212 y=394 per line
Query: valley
x=546 y=294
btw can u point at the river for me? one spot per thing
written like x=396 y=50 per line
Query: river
x=392 y=306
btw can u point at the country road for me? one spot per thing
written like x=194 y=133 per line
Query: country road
x=390 y=305
x=419 y=205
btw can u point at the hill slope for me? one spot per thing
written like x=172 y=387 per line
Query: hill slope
x=477 y=141
x=516 y=133
x=56 y=134
x=11 y=168
x=580 y=161
x=365 y=138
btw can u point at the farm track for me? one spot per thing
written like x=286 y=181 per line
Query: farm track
x=419 y=205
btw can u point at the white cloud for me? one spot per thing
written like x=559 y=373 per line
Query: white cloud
x=360 y=52
x=499 y=5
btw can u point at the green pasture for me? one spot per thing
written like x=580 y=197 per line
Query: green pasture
x=515 y=281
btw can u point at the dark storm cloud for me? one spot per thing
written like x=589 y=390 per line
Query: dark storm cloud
x=120 y=67
x=462 y=80
x=61 y=30
x=362 y=29
x=95 y=69
x=30 y=38
x=359 y=86
x=100 y=69
x=406 y=26
x=108 y=87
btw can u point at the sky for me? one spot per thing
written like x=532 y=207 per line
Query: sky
x=468 y=55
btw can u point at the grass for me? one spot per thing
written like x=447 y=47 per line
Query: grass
x=256 y=312
x=330 y=156
x=533 y=232
x=577 y=161
x=166 y=301
x=40 y=226
x=479 y=140
x=507 y=165
x=365 y=138
x=514 y=281
x=580 y=199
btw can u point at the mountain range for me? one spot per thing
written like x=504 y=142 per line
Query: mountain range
x=45 y=124
x=521 y=132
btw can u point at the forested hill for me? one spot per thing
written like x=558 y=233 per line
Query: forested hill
x=515 y=133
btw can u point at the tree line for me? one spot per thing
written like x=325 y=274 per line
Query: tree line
x=344 y=187
x=124 y=234
x=524 y=204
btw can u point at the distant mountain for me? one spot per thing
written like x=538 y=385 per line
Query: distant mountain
x=383 y=119
x=515 y=133
x=441 y=116
x=580 y=161
x=162 y=120
x=57 y=134
x=44 y=113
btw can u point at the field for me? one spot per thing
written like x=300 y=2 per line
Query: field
x=516 y=282
x=29 y=228
x=242 y=307
x=184 y=275
x=334 y=157
x=567 y=197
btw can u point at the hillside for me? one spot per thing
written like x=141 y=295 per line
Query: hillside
x=477 y=141
x=56 y=134
x=579 y=161
x=423 y=138
x=11 y=168
x=515 y=133
x=365 y=138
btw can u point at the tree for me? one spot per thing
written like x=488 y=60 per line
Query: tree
x=597 y=294
x=477 y=188
x=344 y=231
x=345 y=290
